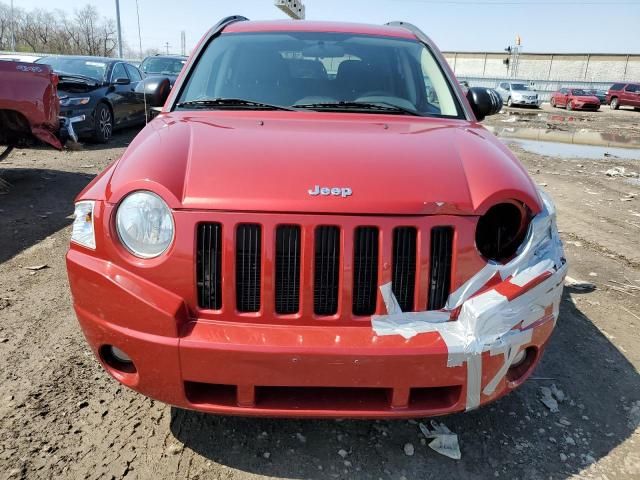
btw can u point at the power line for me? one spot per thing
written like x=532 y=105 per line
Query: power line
x=531 y=3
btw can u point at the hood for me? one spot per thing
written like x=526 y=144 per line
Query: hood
x=76 y=83
x=358 y=164
x=585 y=98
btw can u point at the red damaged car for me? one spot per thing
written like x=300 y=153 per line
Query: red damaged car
x=305 y=231
x=574 y=99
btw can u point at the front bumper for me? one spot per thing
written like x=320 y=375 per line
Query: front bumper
x=275 y=370
x=524 y=101
x=83 y=127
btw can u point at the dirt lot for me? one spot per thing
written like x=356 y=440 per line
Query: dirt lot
x=61 y=416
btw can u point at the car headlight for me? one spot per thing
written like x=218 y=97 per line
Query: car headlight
x=82 y=231
x=144 y=224
x=74 y=102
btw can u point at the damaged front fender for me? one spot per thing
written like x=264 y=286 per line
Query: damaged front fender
x=524 y=295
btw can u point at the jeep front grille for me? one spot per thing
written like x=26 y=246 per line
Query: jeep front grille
x=321 y=271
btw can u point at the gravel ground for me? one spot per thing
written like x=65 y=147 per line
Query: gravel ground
x=63 y=417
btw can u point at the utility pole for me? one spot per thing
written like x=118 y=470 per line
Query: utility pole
x=166 y=45
x=13 y=30
x=183 y=42
x=119 y=29
x=294 y=8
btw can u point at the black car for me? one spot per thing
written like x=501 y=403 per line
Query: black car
x=601 y=94
x=168 y=66
x=101 y=89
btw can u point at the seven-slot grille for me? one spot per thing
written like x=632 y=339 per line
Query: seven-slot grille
x=324 y=246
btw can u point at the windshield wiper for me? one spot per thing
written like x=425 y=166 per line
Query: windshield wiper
x=231 y=103
x=378 y=107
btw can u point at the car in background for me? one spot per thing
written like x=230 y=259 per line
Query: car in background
x=574 y=99
x=168 y=66
x=518 y=93
x=601 y=94
x=624 y=95
x=101 y=89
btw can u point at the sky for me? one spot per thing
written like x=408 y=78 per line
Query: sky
x=580 y=26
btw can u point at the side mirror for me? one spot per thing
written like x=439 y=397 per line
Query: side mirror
x=121 y=81
x=155 y=89
x=484 y=101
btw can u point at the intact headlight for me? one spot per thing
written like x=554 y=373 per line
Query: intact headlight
x=82 y=231
x=74 y=102
x=144 y=224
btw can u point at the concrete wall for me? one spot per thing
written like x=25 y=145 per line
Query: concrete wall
x=536 y=66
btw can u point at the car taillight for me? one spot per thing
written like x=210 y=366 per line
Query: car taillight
x=501 y=230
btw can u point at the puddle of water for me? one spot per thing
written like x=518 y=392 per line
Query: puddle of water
x=568 y=150
x=580 y=137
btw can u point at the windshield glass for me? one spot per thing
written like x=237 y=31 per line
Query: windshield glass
x=77 y=66
x=577 y=91
x=519 y=86
x=168 y=66
x=304 y=69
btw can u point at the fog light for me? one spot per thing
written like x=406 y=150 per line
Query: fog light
x=519 y=358
x=116 y=360
x=119 y=355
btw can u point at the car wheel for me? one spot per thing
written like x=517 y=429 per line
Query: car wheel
x=614 y=104
x=103 y=128
x=509 y=102
x=553 y=102
x=569 y=105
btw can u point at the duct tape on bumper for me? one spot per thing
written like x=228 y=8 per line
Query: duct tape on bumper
x=499 y=320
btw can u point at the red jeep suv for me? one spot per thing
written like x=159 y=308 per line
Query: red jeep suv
x=317 y=225
x=624 y=95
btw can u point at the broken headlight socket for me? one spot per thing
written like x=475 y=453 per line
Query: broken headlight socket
x=501 y=230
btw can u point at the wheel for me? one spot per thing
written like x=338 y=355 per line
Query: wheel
x=569 y=105
x=509 y=102
x=615 y=104
x=103 y=124
x=553 y=102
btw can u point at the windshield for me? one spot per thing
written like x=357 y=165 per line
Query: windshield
x=519 y=86
x=314 y=70
x=168 y=66
x=77 y=66
x=577 y=91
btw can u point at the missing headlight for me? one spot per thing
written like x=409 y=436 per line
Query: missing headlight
x=501 y=230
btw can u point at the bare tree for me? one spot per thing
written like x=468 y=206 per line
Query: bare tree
x=85 y=33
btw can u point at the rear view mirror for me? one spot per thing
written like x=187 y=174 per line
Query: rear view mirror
x=484 y=102
x=121 y=81
x=155 y=89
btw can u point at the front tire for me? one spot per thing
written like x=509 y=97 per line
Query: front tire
x=103 y=128
x=615 y=104
x=509 y=102
x=569 y=106
x=553 y=102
